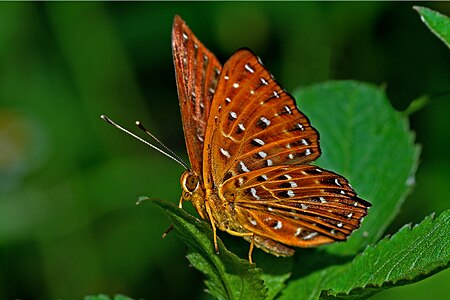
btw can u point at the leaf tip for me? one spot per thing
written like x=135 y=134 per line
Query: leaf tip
x=141 y=199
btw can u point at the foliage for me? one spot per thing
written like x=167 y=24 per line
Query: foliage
x=438 y=23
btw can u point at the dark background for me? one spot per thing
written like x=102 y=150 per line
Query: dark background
x=69 y=225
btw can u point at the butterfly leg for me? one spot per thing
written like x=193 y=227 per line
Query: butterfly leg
x=208 y=211
x=167 y=231
x=180 y=205
x=250 y=251
x=252 y=241
x=232 y=232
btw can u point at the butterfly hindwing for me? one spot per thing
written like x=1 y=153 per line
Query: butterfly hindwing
x=301 y=206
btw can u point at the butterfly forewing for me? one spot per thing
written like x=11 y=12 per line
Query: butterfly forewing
x=197 y=72
x=254 y=123
x=301 y=206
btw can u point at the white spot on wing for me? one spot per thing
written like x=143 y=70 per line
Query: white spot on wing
x=322 y=200
x=304 y=206
x=265 y=121
x=233 y=115
x=307 y=152
x=337 y=182
x=297 y=233
x=339 y=224
x=228 y=100
x=269 y=162
x=262 y=154
x=263 y=81
x=241 y=126
x=310 y=236
x=290 y=193
x=291 y=156
x=185 y=36
x=253 y=222
x=235 y=85
x=287 y=109
x=279 y=225
x=304 y=142
x=253 y=192
x=248 y=68
x=293 y=184
x=243 y=166
x=276 y=94
x=226 y=77
x=349 y=215
x=225 y=152
x=259 y=142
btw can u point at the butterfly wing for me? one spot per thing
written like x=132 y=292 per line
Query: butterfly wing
x=302 y=206
x=253 y=123
x=259 y=147
x=197 y=71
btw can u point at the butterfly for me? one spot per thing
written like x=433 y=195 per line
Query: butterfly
x=250 y=150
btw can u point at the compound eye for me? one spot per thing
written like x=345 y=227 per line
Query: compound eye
x=191 y=182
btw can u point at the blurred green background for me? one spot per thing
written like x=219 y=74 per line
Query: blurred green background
x=69 y=225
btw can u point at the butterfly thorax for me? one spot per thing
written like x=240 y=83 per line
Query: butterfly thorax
x=221 y=212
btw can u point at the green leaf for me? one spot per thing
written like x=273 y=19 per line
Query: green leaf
x=276 y=271
x=412 y=254
x=228 y=276
x=364 y=139
x=438 y=23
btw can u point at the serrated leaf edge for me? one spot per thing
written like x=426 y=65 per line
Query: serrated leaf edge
x=386 y=284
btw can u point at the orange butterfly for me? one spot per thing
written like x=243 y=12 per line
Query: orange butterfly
x=250 y=149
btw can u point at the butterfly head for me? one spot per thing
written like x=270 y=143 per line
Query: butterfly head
x=189 y=183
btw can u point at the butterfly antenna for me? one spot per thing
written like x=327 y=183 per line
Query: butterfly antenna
x=139 y=124
x=169 y=154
